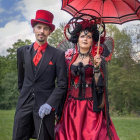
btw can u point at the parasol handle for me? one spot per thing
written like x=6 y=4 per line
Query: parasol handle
x=98 y=47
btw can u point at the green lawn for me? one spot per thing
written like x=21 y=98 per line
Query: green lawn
x=128 y=128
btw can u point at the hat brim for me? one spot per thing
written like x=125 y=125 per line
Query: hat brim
x=33 y=21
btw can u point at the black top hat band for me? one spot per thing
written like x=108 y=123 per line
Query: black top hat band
x=43 y=20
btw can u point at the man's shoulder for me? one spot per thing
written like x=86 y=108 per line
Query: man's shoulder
x=23 y=47
x=56 y=50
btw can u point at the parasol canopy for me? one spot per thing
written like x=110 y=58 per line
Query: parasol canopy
x=111 y=11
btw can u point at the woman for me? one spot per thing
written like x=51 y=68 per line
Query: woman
x=85 y=113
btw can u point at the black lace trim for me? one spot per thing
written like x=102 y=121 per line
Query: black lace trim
x=79 y=98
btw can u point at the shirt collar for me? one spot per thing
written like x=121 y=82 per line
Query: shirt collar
x=42 y=46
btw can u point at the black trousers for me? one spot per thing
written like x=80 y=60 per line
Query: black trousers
x=26 y=119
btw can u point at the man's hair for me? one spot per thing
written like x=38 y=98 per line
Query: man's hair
x=39 y=22
x=35 y=24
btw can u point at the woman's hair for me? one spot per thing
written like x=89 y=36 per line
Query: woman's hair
x=82 y=26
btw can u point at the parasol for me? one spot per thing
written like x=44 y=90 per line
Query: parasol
x=112 y=11
x=109 y=11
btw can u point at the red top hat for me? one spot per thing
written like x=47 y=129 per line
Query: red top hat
x=43 y=16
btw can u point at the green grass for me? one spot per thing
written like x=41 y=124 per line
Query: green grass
x=128 y=128
x=6 y=124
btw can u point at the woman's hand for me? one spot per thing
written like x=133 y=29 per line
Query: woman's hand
x=97 y=60
x=56 y=118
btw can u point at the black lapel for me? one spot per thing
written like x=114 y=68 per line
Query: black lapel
x=28 y=62
x=48 y=54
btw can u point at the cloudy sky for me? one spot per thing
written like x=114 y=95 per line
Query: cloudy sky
x=15 y=16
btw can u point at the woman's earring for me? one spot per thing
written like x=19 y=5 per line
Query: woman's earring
x=78 y=47
x=90 y=49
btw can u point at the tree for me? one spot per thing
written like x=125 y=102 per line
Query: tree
x=12 y=53
x=123 y=76
x=8 y=76
x=57 y=36
x=10 y=93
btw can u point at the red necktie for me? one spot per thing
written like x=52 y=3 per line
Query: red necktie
x=38 y=55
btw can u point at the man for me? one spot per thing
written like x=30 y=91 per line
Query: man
x=39 y=65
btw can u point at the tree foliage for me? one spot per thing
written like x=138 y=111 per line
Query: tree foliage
x=123 y=73
x=8 y=76
x=57 y=36
x=10 y=93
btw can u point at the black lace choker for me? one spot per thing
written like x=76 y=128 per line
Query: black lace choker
x=83 y=55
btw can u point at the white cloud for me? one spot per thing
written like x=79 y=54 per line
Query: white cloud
x=130 y=24
x=13 y=31
x=29 y=8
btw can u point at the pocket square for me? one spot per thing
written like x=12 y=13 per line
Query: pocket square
x=50 y=63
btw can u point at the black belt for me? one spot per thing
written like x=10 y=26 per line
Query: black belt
x=77 y=85
x=81 y=99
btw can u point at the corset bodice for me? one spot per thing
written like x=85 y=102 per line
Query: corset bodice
x=81 y=81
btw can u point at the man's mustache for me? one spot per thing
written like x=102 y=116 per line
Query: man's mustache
x=41 y=34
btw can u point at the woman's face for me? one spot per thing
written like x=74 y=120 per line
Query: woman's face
x=85 y=40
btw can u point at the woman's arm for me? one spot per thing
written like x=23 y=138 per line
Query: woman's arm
x=97 y=63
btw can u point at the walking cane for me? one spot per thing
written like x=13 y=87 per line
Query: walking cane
x=39 y=129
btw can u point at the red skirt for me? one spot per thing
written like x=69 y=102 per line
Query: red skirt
x=81 y=123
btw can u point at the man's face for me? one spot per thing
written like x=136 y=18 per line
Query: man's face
x=42 y=31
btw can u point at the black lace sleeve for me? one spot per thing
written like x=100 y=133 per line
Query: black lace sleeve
x=59 y=110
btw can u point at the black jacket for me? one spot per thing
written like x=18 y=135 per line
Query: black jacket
x=43 y=83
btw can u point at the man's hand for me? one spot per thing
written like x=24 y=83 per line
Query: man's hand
x=45 y=109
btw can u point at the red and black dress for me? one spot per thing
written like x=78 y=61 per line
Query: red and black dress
x=81 y=120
